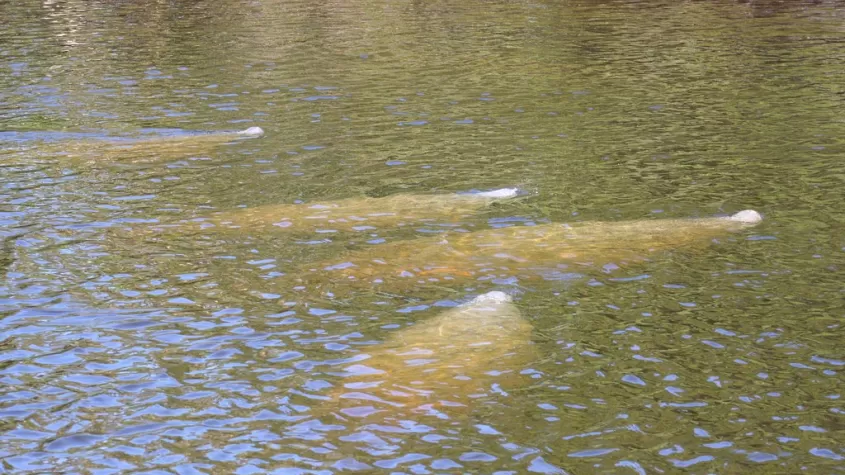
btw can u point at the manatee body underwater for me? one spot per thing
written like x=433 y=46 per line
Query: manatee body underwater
x=516 y=251
x=106 y=148
x=348 y=215
x=449 y=363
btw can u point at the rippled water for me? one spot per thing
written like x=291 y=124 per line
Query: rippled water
x=130 y=344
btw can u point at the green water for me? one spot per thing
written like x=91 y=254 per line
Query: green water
x=125 y=350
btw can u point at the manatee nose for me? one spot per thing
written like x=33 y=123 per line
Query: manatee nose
x=495 y=296
x=748 y=216
x=252 y=131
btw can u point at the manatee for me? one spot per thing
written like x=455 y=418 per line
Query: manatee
x=106 y=148
x=448 y=363
x=359 y=214
x=524 y=251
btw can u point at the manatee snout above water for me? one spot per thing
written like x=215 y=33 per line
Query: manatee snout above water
x=748 y=216
x=252 y=132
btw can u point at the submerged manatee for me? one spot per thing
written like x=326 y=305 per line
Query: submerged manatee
x=105 y=148
x=522 y=251
x=448 y=363
x=350 y=214
x=357 y=214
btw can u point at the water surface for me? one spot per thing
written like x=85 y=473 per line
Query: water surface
x=130 y=351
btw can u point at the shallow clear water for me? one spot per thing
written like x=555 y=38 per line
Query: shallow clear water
x=124 y=349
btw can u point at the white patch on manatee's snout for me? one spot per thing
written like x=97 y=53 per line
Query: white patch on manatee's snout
x=748 y=216
x=252 y=132
x=492 y=297
x=500 y=193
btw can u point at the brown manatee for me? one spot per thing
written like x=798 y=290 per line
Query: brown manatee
x=356 y=214
x=519 y=251
x=457 y=359
x=96 y=148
